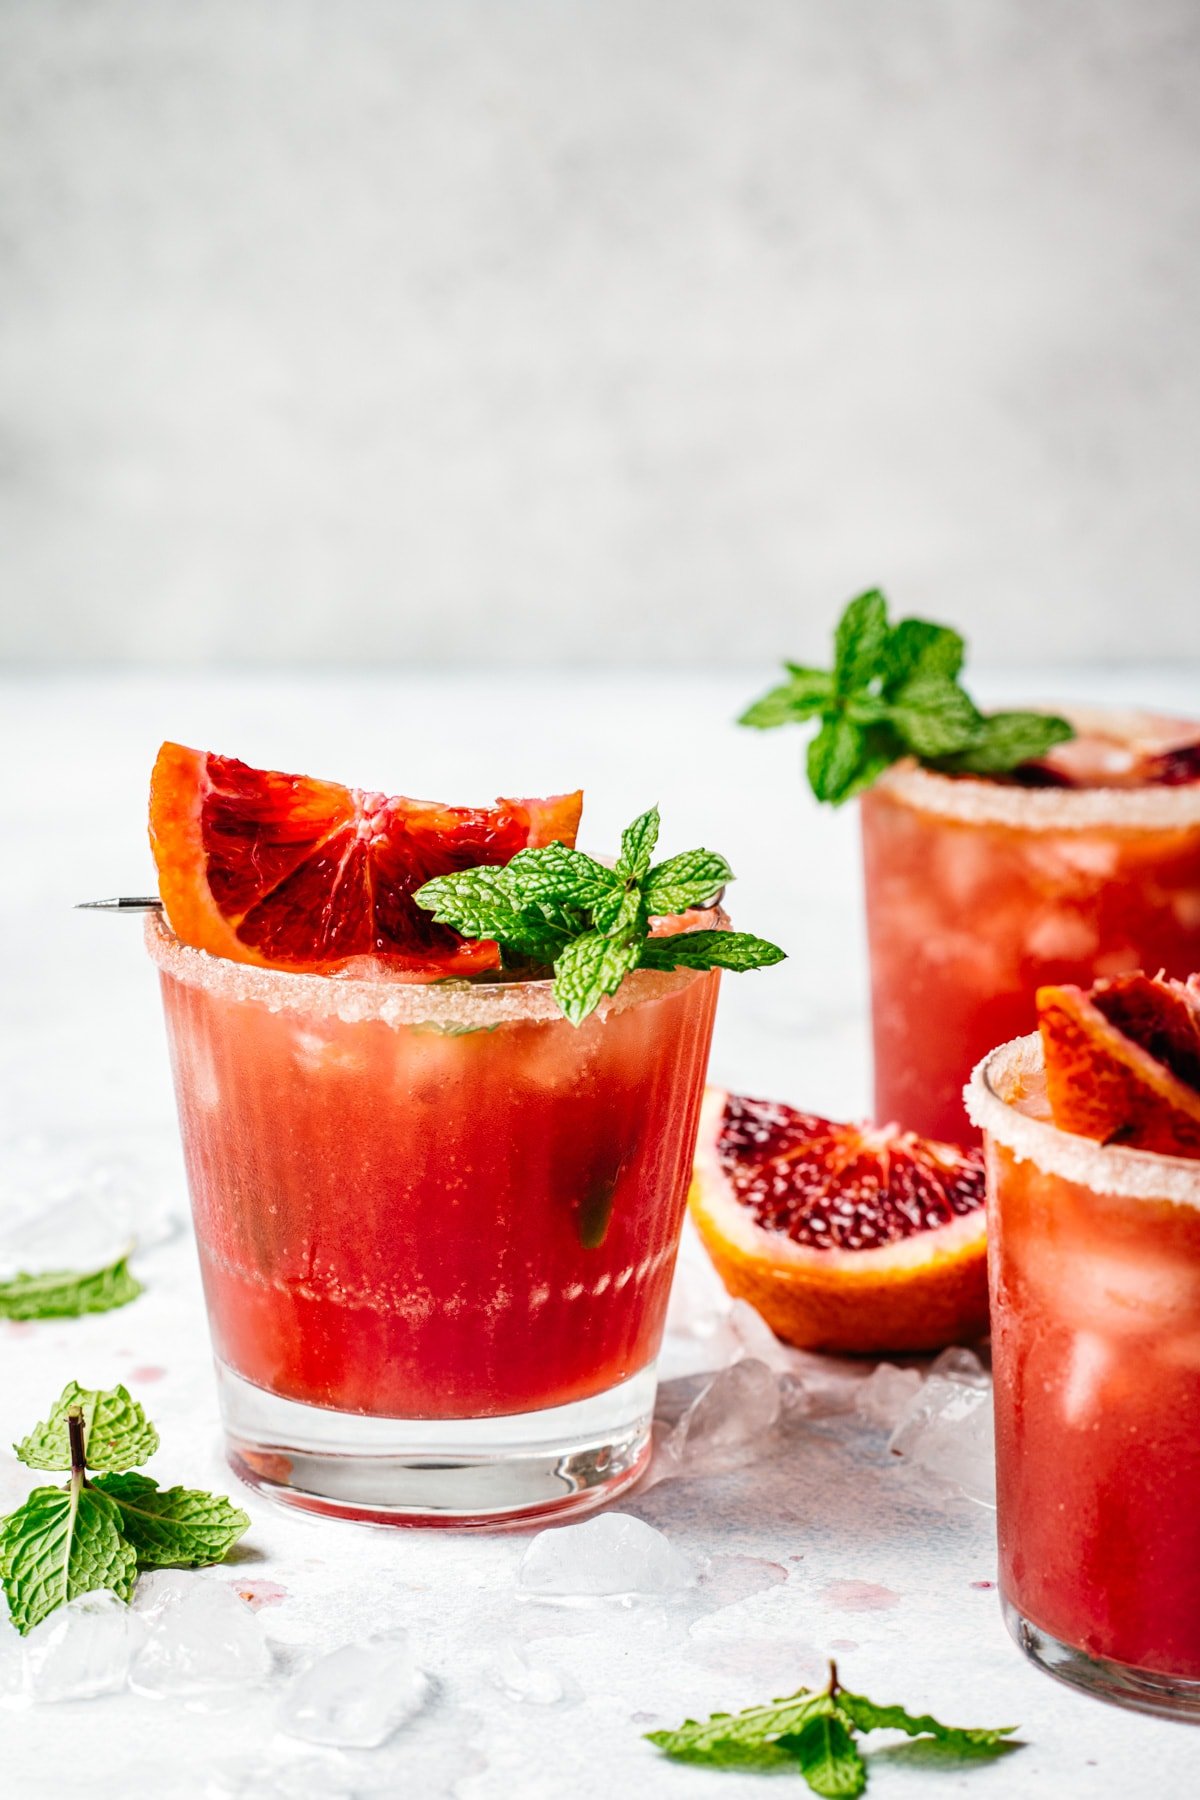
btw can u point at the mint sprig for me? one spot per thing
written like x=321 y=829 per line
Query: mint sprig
x=67 y=1541
x=68 y=1294
x=813 y=1731
x=558 y=909
x=894 y=691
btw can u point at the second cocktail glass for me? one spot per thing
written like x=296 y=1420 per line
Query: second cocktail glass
x=980 y=892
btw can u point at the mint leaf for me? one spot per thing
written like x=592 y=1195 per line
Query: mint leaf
x=933 y=716
x=66 y=1294
x=558 y=875
x=719 y=1739
x=1005 y=740
x=637 y=846
x=917 y=650
x=736 y=950
x=173 y=1527
x=860 y=642
x=834 y=757
x=591 y=967
x=809 y=692
x=685 y=881
x=827 y=1757
x=117 y=1432
x=869 y=1717
x=60 y=1543
x=621 y=911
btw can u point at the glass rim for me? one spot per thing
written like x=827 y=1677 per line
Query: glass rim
x=1106 y=1168
x=978 y=801
x=453 y=1003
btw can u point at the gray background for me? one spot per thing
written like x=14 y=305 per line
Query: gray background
x=512 y=331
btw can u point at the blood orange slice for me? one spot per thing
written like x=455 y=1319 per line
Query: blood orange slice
x=842 y=1236
x=293 y=873
x=1123 y=1062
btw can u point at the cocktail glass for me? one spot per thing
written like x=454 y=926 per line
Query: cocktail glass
x=437 y=1226
x=979 y=892
x=1094 y=1269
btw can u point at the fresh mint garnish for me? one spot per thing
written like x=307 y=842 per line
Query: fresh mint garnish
x=65 y=1294
x=97 y=1534
x=558 y=909
x=894 y=691
x=813 y=1732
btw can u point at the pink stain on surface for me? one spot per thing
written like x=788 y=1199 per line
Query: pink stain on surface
x=983 y=1584
x=259 y=1593
x=147 y=1372
x=17 y=1328
x=859 y=1596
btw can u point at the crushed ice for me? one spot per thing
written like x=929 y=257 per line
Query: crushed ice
x=202 y=1643
x=357 y=1695
x=613 y=1556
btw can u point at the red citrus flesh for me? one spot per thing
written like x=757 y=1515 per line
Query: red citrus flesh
x=844 y=1237
x=288 y=872
x=1123 y=1062
x=1118 y=750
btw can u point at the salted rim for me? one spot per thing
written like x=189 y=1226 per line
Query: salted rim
x=1133 y=1174
x=440 y=1003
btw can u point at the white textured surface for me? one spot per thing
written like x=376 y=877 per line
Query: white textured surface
x=826 y=1547
x=511 y=329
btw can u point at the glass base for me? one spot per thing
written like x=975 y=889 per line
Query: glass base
x=457 y=1472
x=1120 y=1683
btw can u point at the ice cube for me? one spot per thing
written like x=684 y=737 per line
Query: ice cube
x=100 y=1198
x=729 y=1423
x=947 y=1433
x=83 y=1648
x=358 y=1695
x=614 y=1555
x=959 y=1364
x=202 y=1640
x=886 y=1395
x=514 y=1674
x=1088 y=1363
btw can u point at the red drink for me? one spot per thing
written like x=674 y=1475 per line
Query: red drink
x=1094 y=1266
x=980 y=892
x=435 y=1203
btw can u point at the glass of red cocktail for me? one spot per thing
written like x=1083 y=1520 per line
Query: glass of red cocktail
x=980 y=891
x=437 y=1226
x=1094 y=1267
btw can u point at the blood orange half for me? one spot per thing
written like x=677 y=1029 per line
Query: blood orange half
x=843 y=1237
x=292 y=873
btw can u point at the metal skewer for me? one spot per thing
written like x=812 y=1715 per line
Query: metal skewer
x=122 y=903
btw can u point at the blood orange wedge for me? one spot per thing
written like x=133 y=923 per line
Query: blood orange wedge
x=1123 y=1062
x=842 y=1236
x=293 y=873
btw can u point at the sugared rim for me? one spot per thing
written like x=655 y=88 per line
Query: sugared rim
x=981 y=802
x=1005 y=1073
x=445 y=1005
x=977 y=801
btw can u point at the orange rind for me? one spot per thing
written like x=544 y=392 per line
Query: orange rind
x=844 y=1237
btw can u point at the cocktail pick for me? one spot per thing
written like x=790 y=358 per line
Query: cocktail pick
x=122 y=903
